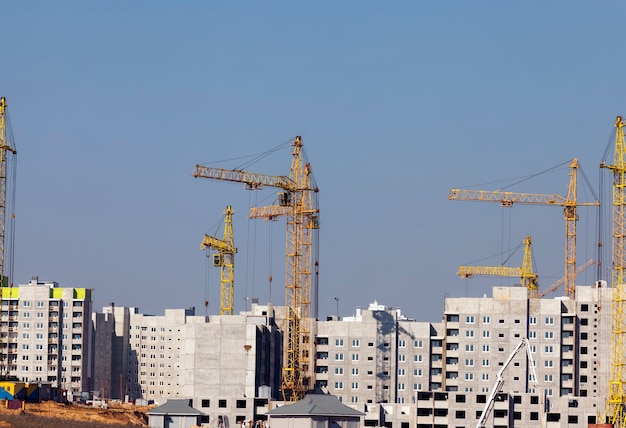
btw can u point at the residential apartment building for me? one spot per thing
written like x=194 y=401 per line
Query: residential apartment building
x=46 y=335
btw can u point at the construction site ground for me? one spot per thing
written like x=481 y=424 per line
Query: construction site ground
x=52 y=414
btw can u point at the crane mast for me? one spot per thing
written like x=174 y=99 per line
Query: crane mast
x=569 y=204
x=5 y=149
x=527 y=277
x=225 y=259
x=617 y=398
x=299 y=204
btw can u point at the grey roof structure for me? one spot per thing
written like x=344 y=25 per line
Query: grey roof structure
x=175 y=407
x=316 y=405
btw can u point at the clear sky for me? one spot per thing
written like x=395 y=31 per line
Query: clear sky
x=113 y=103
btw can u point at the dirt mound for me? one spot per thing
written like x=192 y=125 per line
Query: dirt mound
x=120 y=414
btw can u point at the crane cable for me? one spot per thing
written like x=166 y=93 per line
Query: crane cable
x=269 y=252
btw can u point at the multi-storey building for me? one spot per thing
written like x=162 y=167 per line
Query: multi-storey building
x=377 y=356
x=402 y=373
x=228 y=365
x=407 y=373
x=46 y=335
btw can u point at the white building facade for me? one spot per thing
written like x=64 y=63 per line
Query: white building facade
x=46 y=335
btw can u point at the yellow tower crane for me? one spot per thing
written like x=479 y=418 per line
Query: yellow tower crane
x=299 y=203
x=527 y=277
x=569 y=204
x=6 y=275
x=225 y=259
x=617 y=397
x=5 y=150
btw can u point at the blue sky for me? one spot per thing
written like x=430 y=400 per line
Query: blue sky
x=113 y=103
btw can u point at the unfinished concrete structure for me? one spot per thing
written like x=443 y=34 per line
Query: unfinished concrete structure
x=229 y=366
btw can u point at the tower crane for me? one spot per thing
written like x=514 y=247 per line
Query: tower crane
x=225 y=259
x=527 y=277
x=6 y=150
x=569 y=204
x=616 y=411
x=299 y=203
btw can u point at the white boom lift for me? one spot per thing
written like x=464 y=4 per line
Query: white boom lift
x=500 y=380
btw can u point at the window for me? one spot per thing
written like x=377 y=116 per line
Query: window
x=241 y=404
x=469 y=333
x=469 y=348
x=356 y=343
x=549 y=321
x=338 y=385
x=486 y=319
x=532 y=320
x=548 y=349
x=338 y=342
x=401 y=372
x=339 y=357
x=355 y=371
x=401 y=343
x=549 y=335
x=338 y=370
x=532 y=334
x=547 y=378
x=469 y=362
x=485 y=348
x=401 y=357
x=401 y=387
x=221 y=403
x=485 y=376
x=354 y=399
x=485 y=333
x=469 y=376
x=355 y=357
x=548 y=363
x=418 y=344
x=485 y=363
x=469 y=319
x=418 y=372
x=354 y=385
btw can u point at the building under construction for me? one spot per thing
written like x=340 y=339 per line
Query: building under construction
x=398 y=371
